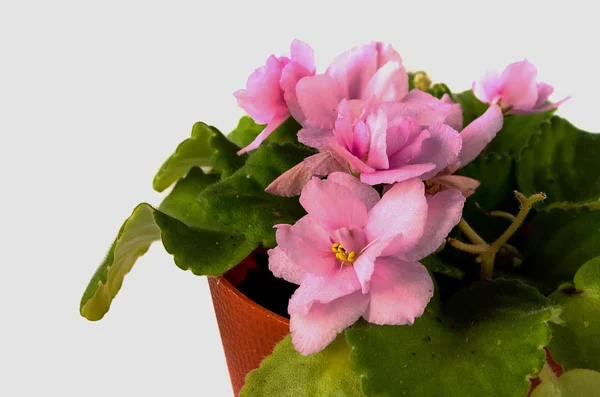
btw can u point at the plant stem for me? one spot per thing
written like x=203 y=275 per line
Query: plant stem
x=487 y=252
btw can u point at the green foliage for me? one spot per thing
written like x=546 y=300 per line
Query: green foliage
x=240 y=202
x=561 y=161
x=495 y=172
x=573 y=383
x=286 y=373
x=193 y=152
x=471 y=106
x=133 y=240
x=245 y=132
x=561 y=240
x=435 y=264
x=516 y=132
x=486 y=342
x=575 y=340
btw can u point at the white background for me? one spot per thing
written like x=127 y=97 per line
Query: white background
x=95 y=95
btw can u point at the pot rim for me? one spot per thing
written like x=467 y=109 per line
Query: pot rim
x=247 y=301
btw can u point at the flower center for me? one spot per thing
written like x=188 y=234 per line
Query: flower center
x=432 y=188
x=342 y=254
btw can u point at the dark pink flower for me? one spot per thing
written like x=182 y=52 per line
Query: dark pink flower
x=270 y=91
x=355 y=255
x=516 y=90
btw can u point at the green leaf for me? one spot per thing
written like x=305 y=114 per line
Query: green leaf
x=516 y=132
x=561 y=161
x=561 y=240
x=240 y=202
x=575 y=340
x=133 y=240
x=285 y=133
x=193 y=152
x=486 y=342
x=245 y=132
x=193 y=234
x=495 y=172
x=573 y=383
x=471 y=106
x=436 y=265
x=286 y=373
x=225 y=158
x=438 y=90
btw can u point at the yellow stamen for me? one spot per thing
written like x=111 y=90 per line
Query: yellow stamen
x=342 y=255
x=335 y=248
x=351 y=256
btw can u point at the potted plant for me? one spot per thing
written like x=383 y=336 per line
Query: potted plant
x=367 y=233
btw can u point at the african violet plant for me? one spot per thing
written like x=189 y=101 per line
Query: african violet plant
x=354 y=180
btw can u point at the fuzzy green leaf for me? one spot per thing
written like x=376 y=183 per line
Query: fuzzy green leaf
x=471 y=106
x=133 y=240
x=561 y=240
x=495 y=172
x=240 y=202
x=435 y=264
x=575 y=340
x=516 y=132
x=193 y=152
x=561 y=161
x=245 y=132
x=573 y=383
x=286 y=373
x=486 y=342
x=225 y=158
x=193 y=234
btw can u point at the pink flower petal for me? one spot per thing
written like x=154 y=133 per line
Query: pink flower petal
x=425 y=108
x=388 y=83
x=488 y=89
x=400 y=292
x=396 y=175
x=340 y=281
x=377 y=156
x=444 y=211
x=361 y=139
x=365 y=263
x=303 y=55
x=519 y=87
x=442 y=149
x=366 y=193
x=333 y=205
x=291 y=182
x=273 y=124
x=412 y=148
x=479 y=133
x=404 y=130
x=315 y=137
x=356 y=164
x=542 y=109
x=312 y=332
x=343 y=130
x=308 y=245
x=402 y=210
x=283 y=267
x=463 y=184
x=353 y=70
x=455 y=116
x=319 y=97
x=544 y=92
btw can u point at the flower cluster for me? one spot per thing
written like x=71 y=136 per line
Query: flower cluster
x=356 y=254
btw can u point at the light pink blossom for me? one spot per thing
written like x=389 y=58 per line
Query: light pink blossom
x=355 y=255
x=270 y=92
x=372 y=72
x=394 y=141
x=516 y=90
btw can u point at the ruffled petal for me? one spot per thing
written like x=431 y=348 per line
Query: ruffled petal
x=291 y=182
x=353 y=69
x=400 y=292
x=519 y=87
x=339 y=282
x=402 y=210
x=283 y=267
x=377 y=156
x=463 y=184
x=312 y=332
x=387 y=85
x=356 y=164
x=366 y=193
x=315 y=137
x=334 y=206
x=319 y=97
x=308 y=245
x=544 y=92
x=488 y=89
x=444 y=210
x=441 y=149
x=303 y=55
x=479 y=133
x=396 y=175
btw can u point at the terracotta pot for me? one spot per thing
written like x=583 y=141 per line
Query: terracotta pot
x=249 y=332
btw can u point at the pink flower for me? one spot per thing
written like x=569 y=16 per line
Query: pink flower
x=372 y=72
x=355 y=255
x=516 y=90
x=392 y=142
x=270 y=91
